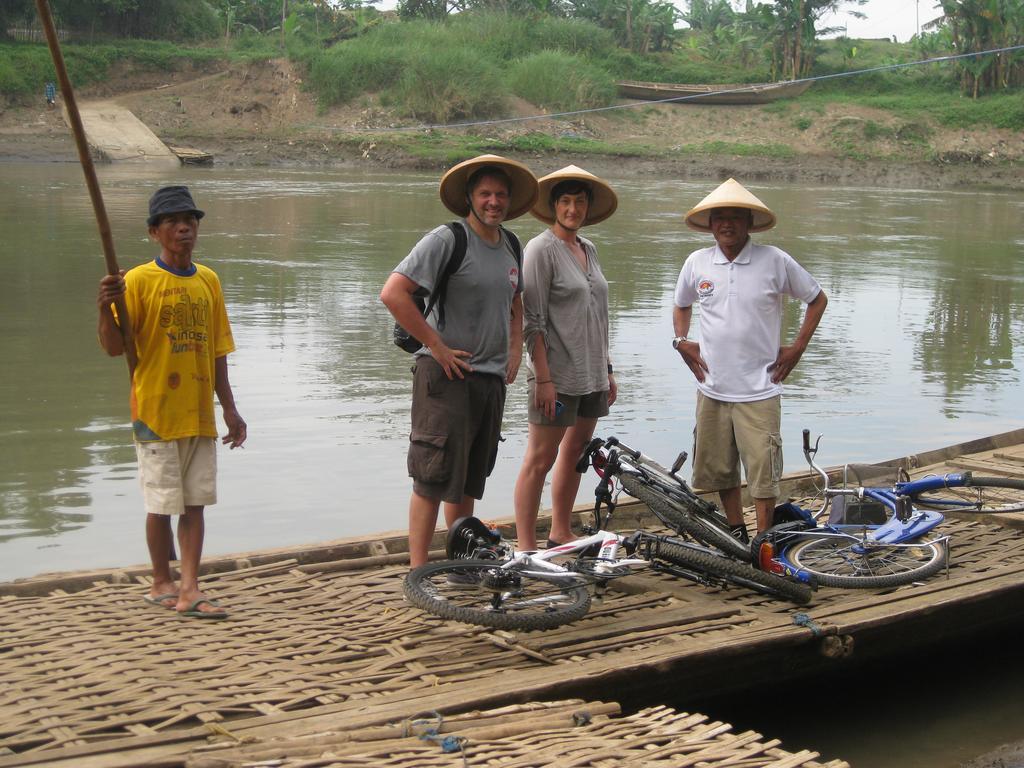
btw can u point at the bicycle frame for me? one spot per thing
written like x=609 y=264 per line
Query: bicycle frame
x=904 y=526
x=637 y=463
x=905 y=522
x=606 y=562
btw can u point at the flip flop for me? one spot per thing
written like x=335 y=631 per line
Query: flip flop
x=166 y=600
x=193 y=611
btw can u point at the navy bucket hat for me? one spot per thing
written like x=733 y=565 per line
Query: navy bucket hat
x=170 y=200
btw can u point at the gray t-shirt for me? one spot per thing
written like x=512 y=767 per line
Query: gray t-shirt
x=566 y=309
x=478 y=306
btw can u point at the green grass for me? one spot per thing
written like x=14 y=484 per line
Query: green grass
x=441 y=86
x=557 y=81
x=24 y=67
x=468 y=67
x=919 y=103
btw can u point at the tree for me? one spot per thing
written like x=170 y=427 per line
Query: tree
x=428 y=9
x=790 y=29
x=979 y=25
x=639 y=25
x=708 y=15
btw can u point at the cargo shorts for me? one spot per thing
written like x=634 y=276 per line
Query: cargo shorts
x=175 y=474
x=728 y=434
x=456 y=426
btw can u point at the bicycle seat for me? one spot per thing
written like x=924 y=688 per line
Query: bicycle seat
x=469 y=535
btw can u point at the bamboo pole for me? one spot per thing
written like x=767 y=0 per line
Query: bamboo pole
x=91 y=182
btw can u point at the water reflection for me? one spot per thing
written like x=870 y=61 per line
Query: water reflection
x=916 y=349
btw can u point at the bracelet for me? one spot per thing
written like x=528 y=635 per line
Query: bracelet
x=546 y=381
x=610 y=369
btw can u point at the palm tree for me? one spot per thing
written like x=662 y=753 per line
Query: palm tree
x=979 y=25
x=789 y=28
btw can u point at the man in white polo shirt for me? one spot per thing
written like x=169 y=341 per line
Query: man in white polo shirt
x=739 y=360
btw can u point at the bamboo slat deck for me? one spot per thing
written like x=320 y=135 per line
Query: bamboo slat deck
x=565 y=733
x=97 y=677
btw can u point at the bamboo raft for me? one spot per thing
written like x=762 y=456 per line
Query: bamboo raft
x=91 y=676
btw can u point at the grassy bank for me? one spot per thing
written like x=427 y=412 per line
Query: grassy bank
x=25 y=67
x=473 y=66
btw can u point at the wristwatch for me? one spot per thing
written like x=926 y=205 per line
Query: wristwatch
x=677 y=341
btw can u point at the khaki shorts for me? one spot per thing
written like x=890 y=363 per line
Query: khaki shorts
x=590 y=406
x=727 y=434
x=175 y=474
x=456 y=426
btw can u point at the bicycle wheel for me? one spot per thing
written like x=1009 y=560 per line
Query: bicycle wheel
x=735 y=572
x=705 y=525
x=481 y=592
x=979 y=494
x=840 y=561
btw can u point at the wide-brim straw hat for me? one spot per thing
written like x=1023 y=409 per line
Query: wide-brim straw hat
x=601 y=207
x=730 y=194
x=521 y=196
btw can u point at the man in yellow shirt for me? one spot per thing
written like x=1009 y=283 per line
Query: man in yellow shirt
x=182 y=338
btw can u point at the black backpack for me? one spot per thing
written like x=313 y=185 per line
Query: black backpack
x=405 y=340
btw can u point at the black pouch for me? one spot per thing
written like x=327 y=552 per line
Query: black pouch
x=402 y=338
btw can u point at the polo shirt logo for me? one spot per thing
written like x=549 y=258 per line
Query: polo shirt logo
x=705 y=288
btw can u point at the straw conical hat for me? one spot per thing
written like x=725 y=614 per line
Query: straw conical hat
x=601 y=207
x=522 y=194
x=730 y=194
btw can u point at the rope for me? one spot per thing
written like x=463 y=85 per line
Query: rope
x=671 y=99
x=448 y=744
x=803 y=620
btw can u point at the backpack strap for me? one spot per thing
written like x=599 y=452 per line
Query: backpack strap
x=437 y=296
x=517 y=248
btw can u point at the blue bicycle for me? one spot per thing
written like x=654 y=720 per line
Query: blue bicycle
x=875 y=536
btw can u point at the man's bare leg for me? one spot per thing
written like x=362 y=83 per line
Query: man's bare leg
x=765 y=509
x=453 y=512
x=732 y=505
x=422 y=521
x=191 y=531
x=159 y=541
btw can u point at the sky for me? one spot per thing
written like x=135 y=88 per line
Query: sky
x=885 y=18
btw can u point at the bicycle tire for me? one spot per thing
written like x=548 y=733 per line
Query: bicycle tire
x=708 y=527
x=980 y=494
x=840 y=562
x=735 y=572
x=537 y=603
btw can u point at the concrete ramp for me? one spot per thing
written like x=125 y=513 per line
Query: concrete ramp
x=118 y=136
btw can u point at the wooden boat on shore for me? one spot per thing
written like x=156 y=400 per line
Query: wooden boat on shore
x=718 y=93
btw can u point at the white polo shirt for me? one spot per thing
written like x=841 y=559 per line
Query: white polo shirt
x=741 y=315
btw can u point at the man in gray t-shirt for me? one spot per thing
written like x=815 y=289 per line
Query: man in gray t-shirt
x=464 y=366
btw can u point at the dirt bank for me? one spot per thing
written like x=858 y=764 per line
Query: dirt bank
x=260 y=115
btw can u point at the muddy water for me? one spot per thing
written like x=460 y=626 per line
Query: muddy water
x=955 y=703
x=920 y=346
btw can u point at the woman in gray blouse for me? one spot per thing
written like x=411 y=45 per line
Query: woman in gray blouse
x=571 y=384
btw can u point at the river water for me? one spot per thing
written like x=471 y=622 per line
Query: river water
x=919 y=347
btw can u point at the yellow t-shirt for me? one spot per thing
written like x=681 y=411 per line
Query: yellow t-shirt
x=181 y=328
